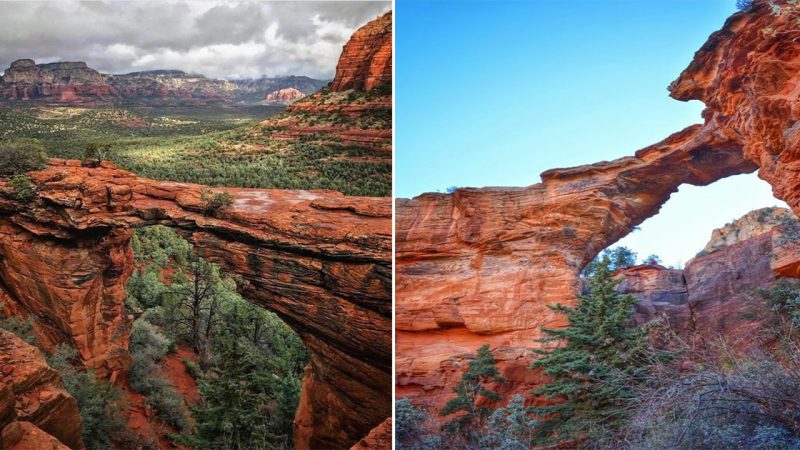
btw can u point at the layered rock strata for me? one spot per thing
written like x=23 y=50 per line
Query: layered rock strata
x=366 y=60
x=35 y=410
x=357 y=108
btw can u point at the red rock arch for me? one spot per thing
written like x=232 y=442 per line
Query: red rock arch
x=480 y=265
x=320 y=260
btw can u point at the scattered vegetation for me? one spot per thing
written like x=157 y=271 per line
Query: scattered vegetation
x=215 y=201
x=212 y=146
x=148 y=348
x=19 y=155
x=23 y=188
x=98 y=401
x=22 y=329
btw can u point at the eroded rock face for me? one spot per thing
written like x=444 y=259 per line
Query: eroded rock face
x=716 y=295
x=748 y=80
x=321 y=260
x=34 y=407
x=379 y=438
x=366 y=60
x=750 y=225
x=345 y=113
x=74 y=292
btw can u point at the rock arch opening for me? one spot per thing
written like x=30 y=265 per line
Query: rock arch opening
x=682 y=227
x=191 y=328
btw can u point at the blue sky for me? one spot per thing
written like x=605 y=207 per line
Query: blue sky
x=493 y=93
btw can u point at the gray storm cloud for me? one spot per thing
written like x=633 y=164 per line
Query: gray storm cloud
x=218 y=39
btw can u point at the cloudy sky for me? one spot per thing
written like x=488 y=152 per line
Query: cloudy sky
x=219 y=39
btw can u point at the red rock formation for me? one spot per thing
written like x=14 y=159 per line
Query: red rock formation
x=63 y=82
x=366 y=59
x=748 y=77
x=321 y=260
x=715 y=297
x=342 y=115
x=284 y=96
x=75 y=83
x=27 y=436
x=34 y=407
x=379 y=438
x=660 y=291
x=74 y=291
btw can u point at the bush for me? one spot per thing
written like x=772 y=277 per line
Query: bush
x=214 y=201
x=731 y=402
x=23 y=330
x=783 y=298
x=97 y=151
x=21 y=155
x=511 y=427
x=410 y=433
x=148 y=348
x=98 y=401
x=23 y=187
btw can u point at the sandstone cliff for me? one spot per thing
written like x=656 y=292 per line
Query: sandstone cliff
x=366 y=60
x=748 y=226
x=479 y=266
x=357 y=107
x=714 y=296
x=35 y=410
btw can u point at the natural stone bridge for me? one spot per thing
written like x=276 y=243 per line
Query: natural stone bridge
x=320 y=260
x=479 y=266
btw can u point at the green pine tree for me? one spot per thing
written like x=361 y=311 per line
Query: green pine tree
x=597 y=364
x=480 y=372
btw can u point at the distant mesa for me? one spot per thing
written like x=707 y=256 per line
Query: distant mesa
x=284 y=96
x=75 y=83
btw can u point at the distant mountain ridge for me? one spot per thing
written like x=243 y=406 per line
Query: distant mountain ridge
x=75 y=83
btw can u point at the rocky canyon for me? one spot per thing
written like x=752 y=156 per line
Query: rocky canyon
x=480 y=265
